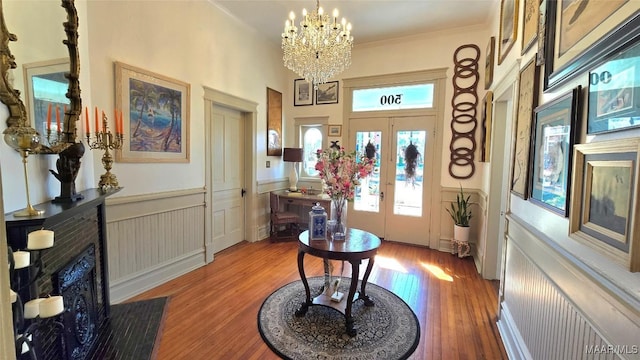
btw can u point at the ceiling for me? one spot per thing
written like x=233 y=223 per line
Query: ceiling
x=372 y=20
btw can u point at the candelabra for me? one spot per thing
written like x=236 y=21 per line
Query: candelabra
x=105 y=140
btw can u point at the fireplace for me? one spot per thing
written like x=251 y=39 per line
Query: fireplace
x=76 y=268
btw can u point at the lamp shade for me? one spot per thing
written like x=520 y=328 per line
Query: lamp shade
x=292 y=155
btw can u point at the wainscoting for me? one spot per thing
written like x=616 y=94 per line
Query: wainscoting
x=153 y=238
x=555 y=308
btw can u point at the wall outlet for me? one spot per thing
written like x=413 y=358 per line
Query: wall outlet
x=268 y=164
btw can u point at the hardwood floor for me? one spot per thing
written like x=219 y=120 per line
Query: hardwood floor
x=212 y=312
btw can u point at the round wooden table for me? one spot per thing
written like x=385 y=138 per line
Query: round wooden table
x=357 y=246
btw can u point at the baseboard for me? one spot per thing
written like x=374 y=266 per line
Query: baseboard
x=140 y=282
x=511 y=339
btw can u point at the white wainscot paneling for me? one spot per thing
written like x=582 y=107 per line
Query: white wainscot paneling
x=153 y=239
x=541 y=317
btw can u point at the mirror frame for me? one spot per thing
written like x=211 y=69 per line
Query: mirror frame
x=11 y=97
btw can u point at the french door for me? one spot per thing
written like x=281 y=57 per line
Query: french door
x=394 y=202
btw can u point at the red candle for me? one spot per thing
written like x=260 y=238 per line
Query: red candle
x=86 y=119
x=97 y=124
x=58 y=118
x=49 y=118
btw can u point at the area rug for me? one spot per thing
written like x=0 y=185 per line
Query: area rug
x=388 y=330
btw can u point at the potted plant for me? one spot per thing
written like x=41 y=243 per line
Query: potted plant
x=461 y=214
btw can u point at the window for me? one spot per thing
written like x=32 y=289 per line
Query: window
x=393 y=98
x=311 y=136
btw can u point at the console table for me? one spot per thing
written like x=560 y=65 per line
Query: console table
x=359 y=245
x=306 y=200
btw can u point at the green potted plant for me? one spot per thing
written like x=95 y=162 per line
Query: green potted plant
x=461 y=214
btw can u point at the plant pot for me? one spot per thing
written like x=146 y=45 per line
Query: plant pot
x=461 y=233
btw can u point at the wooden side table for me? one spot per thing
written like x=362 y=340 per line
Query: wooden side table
x=359 y=245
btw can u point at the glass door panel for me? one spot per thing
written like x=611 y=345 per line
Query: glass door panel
x=367 y=196
x=409 y=173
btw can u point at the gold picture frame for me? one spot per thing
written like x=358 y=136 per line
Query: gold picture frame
x=274 y=122
x=604 y=204
x=335 y=130
x=156 y=111
x=487 y=113
x=488 y=63
x=530 y=24
x=508 y=28
x=527 y=101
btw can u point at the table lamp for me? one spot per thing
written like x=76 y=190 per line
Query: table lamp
x=293 y=155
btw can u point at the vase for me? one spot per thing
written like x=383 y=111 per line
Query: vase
x=339 y=214
x=461 y=233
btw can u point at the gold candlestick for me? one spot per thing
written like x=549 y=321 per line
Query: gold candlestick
x=105 y=140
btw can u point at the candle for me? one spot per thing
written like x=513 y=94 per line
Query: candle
x=86 y=119
x=32 y=308
x=21 y=259
x=40 y=239
x=97 y=125
x=121 y=124
x=115 y=121
x=105 y=127
x=58 y=118
x=51 y=306
x=13 y=296
x=49 y=118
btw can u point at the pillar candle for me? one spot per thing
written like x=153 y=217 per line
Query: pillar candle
x=86 y=120
x=40 y=239
x=32 y=308
x=49 y=117
x=58 y=118
x=21 y=259
x=13 y=296
x=51 y=306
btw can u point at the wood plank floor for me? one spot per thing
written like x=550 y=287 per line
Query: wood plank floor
x=212 y=312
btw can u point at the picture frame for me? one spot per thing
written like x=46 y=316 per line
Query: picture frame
x=487 y=123
x=604 y=205
x=274 y=122
x=553 y=140
x=527 y=101
x=508 y=28
x=530 y=23
x=488 y=63
x=302 y=93
x=542 y=32
x=45 y=84
x=335 y=130
x=614 y=93
x=327 y=93
x=156 y=116
x=609 y=29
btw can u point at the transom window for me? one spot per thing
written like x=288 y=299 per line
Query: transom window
x=393 y=98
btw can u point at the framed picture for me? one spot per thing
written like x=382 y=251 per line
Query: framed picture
x=302 y=92
x=487 y=111
x=605 y=28
x=327 y=93
x=274 y=123
x=155 y=112
x=604 y=212
x=542 y=32
x=335 y=130
x=508 y=28
x=527 y=101
x=488 y=63
x=554 y=136
x=44 y=86
x=614 y=93
x=530 y=24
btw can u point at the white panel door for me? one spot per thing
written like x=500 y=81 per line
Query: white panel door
x=227 y=178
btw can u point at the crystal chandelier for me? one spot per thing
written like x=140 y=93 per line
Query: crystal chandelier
x=320 y=48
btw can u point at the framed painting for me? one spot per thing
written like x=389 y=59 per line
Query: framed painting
x=579 y=34
x=327 y=93
x=542 y=32
x=274 y=123
x=604 y=211
x=508 y=28
x=488 y=63
x=46 y=86
x=487 y=113
x=302 y=92
x=554 y=136
x=530 y=24
x=614 y=93
x=527 y=101
x=335 y=130
x=155 y=112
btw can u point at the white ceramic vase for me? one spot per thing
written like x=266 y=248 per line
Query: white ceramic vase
x=461 y=233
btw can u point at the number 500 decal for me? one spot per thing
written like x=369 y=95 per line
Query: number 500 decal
x=391 y=99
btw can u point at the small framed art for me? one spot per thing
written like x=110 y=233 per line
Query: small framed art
x=488 y=63
x=302 y=92
x=335 y=130
x=508 y=28
x=327 y=93
x=274 y=122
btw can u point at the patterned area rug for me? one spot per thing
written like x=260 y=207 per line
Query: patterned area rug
x=389 y=330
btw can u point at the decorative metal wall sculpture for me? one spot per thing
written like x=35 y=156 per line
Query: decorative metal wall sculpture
x=464 y=115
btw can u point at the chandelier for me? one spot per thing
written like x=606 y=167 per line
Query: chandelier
x=320 y=48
